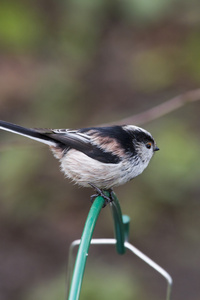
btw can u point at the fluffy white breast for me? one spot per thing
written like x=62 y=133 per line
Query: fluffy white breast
x=82 y=169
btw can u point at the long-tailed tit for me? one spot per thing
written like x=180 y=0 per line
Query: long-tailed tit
x=101 y=157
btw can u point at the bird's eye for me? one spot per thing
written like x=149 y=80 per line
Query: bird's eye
x=148 y=145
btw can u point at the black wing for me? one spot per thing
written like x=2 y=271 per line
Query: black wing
x=64 y=139
x=84 y=143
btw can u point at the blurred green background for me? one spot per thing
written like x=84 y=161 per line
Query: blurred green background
x=71 y=64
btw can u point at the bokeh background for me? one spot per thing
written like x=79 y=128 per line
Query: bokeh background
x=71 y=64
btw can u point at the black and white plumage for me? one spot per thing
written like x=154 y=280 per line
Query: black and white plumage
x=103 y=157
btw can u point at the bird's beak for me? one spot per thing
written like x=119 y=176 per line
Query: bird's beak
x=156 y=148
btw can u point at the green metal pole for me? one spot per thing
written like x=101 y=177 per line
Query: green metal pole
x=120 y=224
x=121 y=228
x=82 y=254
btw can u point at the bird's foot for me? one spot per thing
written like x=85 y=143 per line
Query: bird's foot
x=111 y=193
x=101 y=193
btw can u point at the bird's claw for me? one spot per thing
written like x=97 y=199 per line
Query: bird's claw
x=101 y=193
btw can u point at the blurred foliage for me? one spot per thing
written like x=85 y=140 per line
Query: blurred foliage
x=20 y=26
x=175 y=170
x=145 y=11
x=81 y=63
x=102 y=279
x=191 y=62
x=97 y=284
x=53 y=289
x=154 y=62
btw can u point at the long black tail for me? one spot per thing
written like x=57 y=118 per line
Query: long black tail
x=34 y=134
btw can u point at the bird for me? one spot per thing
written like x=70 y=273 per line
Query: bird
x=97 y=157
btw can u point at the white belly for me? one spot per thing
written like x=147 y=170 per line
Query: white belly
x=82 y=169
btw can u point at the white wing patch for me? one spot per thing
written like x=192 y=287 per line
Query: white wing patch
x=74 y=134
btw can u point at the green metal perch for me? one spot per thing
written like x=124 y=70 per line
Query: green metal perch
x=121 y=228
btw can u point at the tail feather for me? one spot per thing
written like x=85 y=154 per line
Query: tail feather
x=33 y=134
